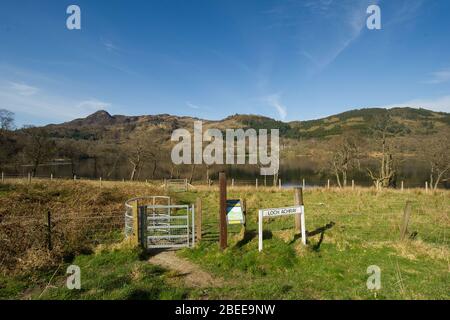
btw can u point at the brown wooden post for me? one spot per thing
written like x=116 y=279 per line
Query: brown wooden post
x=49 y=231
x=198 y=220
x=406 y=216
x=244 y=213
x=223 y=211
x=402 y=185
x=303 y=184
x=353 y=184
x=328 y=184
x=298 y=201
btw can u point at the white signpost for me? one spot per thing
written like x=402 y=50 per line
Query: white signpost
x=276 y=212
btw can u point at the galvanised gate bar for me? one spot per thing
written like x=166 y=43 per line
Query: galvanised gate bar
x=153 y=222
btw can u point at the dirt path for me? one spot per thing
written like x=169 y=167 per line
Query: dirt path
x=192 y=274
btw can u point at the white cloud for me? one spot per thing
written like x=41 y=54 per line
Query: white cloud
x=92 y=105
x=110 y=46
x=192 y=106
x=439 y=77
x=436 y=104
x=274 y=100
x=31 y=103
x=23 y=89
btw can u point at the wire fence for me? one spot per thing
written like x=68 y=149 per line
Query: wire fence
x=262 y=181
x=29 y=241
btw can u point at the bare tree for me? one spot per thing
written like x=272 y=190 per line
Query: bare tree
x=439 y=159
x=38 y=147
x=386 y=175
x=71 y=150
x=6 y=120
x=345 y=157
x=9 y=145
x=141 y=149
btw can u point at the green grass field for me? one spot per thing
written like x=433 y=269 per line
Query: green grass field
x=348 y=231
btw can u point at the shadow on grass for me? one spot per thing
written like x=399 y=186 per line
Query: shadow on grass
x=320 y=230
x=250 y=235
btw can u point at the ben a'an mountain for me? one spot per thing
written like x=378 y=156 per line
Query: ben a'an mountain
x=402 y=122
x=415 y=142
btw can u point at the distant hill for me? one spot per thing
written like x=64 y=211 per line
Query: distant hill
x=406 y=121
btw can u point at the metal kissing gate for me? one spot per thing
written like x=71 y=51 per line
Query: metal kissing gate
x=159 y=224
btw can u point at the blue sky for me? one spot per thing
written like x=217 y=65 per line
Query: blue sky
x=289 y=60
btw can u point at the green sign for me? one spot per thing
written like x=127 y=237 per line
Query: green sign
x=234 y=212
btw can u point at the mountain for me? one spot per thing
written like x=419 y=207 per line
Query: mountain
x=404 y=121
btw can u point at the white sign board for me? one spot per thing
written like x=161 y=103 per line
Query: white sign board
x=281 y=211
x=276 y=212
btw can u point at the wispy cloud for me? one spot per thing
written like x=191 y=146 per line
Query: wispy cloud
x=274 y=100
x=110 y=46
x=439 y=77
x=92 y=105
x=351 y=18
x=192 y=106
x=436 y=104
x=42 y=107
x=23 y=89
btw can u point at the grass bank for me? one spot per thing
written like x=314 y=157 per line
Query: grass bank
x=348 y=231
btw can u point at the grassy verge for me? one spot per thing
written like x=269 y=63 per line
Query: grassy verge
x=348 y=232
x=109 y=274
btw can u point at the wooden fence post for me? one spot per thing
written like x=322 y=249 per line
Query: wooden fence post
x=198 y=220
x=223 y=211
x=353 y=184
x=426 y=186
x=328 y=184
x=49 y=231
x=402 y=186
x=51 y=176
x=244 y=212
x=298 y=201
x=256 y=183
x=303 y=184
x=405 y=222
